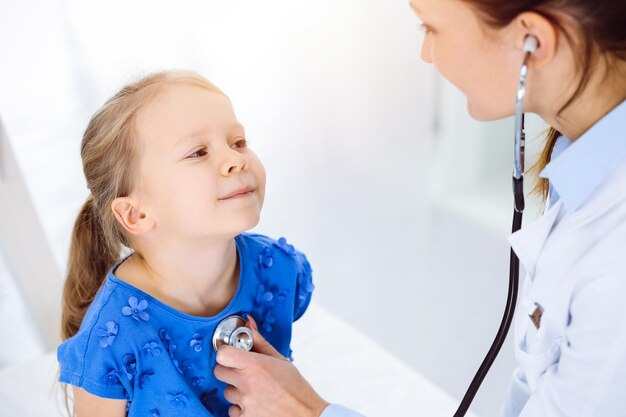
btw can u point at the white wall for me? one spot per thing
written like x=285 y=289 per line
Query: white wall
x=35 y=274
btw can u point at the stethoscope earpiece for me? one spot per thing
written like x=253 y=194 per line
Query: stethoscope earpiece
x=232 y=331
x=530 y=44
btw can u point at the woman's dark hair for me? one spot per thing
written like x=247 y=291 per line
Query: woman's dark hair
x=600 y=34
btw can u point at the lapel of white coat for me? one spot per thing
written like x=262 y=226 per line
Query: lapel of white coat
x=528 y=242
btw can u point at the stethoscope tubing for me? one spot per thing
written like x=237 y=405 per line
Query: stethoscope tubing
x=518 y=193
x=505 y=325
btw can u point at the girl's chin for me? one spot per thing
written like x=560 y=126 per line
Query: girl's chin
x=247 y=222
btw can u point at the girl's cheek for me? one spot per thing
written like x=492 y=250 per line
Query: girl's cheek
x=258 y=168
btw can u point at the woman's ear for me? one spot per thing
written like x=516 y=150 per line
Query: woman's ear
x=546 y=32
x=127 y=213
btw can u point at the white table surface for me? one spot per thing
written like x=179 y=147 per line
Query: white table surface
x=344 y=365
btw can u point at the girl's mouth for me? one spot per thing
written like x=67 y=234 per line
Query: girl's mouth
x=242 y=192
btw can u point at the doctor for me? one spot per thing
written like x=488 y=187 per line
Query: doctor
x=570 y=327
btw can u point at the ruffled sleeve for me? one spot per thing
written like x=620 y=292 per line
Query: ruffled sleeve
x=100 y=358
x=304 y=279
x=87 y=361
x=304 y=286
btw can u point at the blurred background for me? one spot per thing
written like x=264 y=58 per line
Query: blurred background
x=401 y=202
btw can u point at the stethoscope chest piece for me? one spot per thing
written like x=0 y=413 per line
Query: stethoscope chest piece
x=233 y=331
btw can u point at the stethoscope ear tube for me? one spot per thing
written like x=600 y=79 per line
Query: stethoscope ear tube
x=518 y=193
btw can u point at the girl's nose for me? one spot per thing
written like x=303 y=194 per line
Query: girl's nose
x=233 y=162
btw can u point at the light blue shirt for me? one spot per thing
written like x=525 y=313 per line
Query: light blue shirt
x=576 y=170
x=336 y=410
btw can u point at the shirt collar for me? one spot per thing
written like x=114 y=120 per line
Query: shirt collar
x=577 y=170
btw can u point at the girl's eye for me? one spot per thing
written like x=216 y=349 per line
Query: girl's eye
x=197 y=154
x=240 y=144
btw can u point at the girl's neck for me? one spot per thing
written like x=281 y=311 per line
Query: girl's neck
x=199 y=281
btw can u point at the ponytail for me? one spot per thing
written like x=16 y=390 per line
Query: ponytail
x=91 y=256
x=542 y=185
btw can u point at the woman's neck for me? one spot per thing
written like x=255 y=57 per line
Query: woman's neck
x=601 y=95
x=199 y=281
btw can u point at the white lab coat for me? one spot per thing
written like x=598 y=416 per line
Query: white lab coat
x=574 y=365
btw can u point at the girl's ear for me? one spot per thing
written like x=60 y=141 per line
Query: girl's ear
x=133 y=221
x=546 y=32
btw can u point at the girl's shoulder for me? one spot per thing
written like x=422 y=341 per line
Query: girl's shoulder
x=112 y=304
x=278 y=263
x=275 y=249
x=92 y=357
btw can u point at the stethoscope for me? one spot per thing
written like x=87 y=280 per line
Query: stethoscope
x=530 y=46
x=232 y=331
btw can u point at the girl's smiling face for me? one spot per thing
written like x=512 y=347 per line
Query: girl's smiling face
x=197 y=179
x=482 y=62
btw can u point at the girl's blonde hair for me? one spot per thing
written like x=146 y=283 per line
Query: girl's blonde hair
x=109 y=152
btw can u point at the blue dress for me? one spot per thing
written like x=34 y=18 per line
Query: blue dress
x=132 y=346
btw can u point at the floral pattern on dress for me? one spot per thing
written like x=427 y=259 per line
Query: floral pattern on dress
x=130 y=366
x=136 y=309
x=186 y=368
x=198 y=381
x=269 y=302
x=304 y=287
x=286 y=247
x=144 y=378
x=166 y=340
x=266 y=259
x=107 y=334
x=112 y=378
x=177 y=400
x=211 y=401
x=152 y=349
x=169 y=345
x=269 y=299
x=196 y=342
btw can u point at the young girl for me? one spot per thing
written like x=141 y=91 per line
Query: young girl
x=172 y=178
